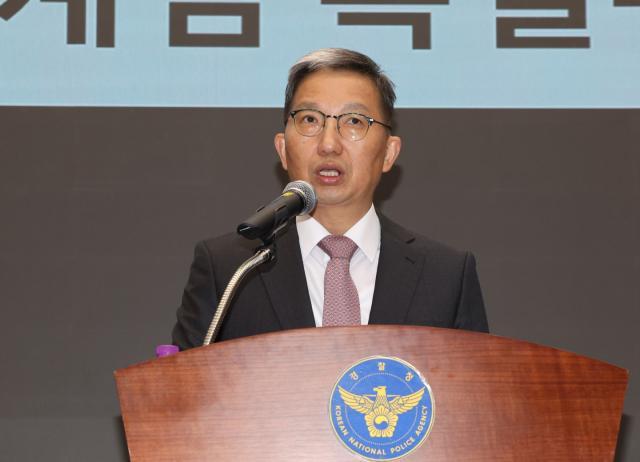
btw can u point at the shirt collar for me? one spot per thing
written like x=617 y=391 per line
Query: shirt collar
x=365 y=233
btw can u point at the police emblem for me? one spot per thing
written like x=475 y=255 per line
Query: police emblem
x=382 y=408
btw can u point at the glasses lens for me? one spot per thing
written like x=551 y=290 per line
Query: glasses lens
x=353 y=126
x=308 y=122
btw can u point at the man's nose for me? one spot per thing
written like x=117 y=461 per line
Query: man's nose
x=330 y=140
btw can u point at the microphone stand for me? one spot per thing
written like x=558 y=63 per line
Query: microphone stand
x=264 y=254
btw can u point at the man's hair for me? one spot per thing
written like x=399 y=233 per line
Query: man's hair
x=344 y=60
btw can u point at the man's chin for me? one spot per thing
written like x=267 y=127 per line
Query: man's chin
x=329 y=198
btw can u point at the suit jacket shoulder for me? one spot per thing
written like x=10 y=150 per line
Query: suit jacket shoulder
x=275 y=297
x=423 y=282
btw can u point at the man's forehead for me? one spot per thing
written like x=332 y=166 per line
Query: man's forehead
x=314 y=92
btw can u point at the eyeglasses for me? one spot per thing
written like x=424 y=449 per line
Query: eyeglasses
x=351 y=126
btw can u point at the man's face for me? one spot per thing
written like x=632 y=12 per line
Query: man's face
x=344 y=173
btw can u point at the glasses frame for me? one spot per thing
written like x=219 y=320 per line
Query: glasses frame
x=370 y=122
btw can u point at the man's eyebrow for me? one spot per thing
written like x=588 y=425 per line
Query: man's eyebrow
x=307 y=105
x=355 y=107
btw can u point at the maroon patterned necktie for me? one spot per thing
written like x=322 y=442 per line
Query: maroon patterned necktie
x=341 y=302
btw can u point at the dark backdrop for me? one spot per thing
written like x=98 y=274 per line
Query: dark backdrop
x=100 y=210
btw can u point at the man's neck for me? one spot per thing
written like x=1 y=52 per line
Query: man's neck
x=338 y=220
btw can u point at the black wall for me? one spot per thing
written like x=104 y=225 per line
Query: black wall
x=100 y=210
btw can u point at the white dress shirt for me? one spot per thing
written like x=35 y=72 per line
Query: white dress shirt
x=364 y=263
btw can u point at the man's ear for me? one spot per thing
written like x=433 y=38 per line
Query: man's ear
x=394 y=143
x=279 y=143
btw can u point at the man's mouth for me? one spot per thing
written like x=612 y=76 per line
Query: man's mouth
x=329 y=175
x=329 y=172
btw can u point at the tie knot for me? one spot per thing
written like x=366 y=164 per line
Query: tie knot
x=338 y=246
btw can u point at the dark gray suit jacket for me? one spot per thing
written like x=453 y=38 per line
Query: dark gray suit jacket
x=419 y=282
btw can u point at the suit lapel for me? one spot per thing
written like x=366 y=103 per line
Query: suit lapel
x=286 y=284
x=399 y=269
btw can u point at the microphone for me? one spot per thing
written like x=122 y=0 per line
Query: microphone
x=297 y=198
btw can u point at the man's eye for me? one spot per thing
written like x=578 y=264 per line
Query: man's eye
x=309 y=119
x=353 y=121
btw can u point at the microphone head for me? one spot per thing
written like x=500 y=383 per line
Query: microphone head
x=306 y=192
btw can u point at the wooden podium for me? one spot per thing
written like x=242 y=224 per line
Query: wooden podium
x=267 y=398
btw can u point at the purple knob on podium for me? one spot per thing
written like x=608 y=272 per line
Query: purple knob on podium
x=166 y=350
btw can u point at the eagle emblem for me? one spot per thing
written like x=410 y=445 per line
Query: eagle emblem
x=381 y=412
x=381 y=408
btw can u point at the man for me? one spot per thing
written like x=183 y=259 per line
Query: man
x=338 y=114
